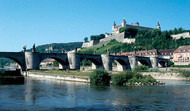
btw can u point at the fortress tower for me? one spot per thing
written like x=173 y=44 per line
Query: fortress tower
x=123 y=23
x=158 y=26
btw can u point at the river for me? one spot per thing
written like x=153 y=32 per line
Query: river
x=48 y=95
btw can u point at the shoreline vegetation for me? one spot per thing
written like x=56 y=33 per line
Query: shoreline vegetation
x=101 y=77
x=134 y=77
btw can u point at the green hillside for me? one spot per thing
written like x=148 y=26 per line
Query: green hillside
x=58 y=46
x=145 y=40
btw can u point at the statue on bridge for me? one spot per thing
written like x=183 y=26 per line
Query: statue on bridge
x=75 y=49
x=24 y=48
x=62 y=50
x=34 y=48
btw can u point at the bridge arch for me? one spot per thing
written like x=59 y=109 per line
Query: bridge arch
x=121 y=61
x=144 y=61
x=122 y=64
x=19 y=62
x=63 y=64
x=61 y=60
x=162 y=63
x=96 y=63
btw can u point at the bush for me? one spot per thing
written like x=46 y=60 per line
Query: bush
x=170 y=64
x=140 y=68
x=122 y=78
x=131 y=77
x=138 y=76
x=100 y=77
x=143 y=79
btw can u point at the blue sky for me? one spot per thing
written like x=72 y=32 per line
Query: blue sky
x=24 y=22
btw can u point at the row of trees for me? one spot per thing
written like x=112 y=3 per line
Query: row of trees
x=132 y=32
x=94 y=37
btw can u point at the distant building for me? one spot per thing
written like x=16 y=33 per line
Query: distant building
x=47 y=62
x=166 y=54
x=183 y=35
x=49 y=49
x=144 y=53
x=115 y=28
x=181 y=55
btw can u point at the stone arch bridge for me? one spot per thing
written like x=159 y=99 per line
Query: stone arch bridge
x=32 y=60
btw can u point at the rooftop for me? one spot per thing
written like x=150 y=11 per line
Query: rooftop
x=185 y=48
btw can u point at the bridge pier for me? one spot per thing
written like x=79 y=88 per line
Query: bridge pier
x=121 y=67
x=74 y=61
x=107 y=63
x=133 y=61
x=32 y=60
x=154 y=62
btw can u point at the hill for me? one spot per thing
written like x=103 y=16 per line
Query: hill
x=58 y=46
x=145 y=40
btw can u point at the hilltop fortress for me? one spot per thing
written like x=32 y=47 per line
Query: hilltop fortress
x=120 y=37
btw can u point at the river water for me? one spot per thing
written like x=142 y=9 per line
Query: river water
x=48 y=95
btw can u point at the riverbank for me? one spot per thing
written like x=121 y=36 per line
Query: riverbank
x=84 y=76
x=166 y=76
x=66 y=77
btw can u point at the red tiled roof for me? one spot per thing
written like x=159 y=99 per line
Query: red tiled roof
x=166 y=52
x=185 y=48
x=48 y=60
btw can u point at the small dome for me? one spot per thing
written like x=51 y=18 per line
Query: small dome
x=124 y=21
x=158 y=24
x=114 y=24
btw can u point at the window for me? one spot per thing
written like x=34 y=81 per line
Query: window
x=179 y=50
x=179 y=56
x=183 y=50
x=188 y=50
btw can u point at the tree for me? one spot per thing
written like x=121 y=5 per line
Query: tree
x=97 y=37
x=175 y=31
x=180 y=30
x=86 y=39
x=55 y=63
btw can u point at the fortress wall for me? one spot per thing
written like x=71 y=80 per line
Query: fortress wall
x=86 y=44
x=184 y=35
x=119 y=37
x=90 y=43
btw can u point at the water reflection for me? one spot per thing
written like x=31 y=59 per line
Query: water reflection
x=37 y=94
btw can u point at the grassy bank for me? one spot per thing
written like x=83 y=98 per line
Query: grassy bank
x=100 y=76
x=76 y=73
